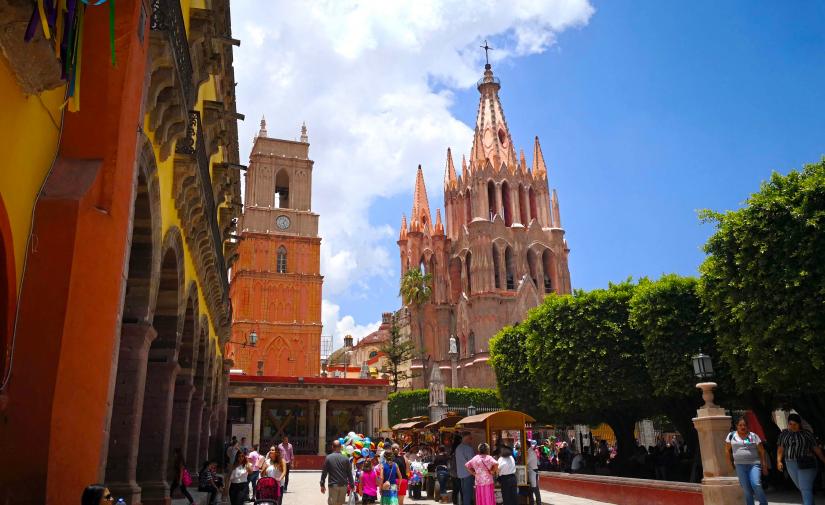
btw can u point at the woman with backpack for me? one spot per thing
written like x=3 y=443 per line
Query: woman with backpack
x=182 y=477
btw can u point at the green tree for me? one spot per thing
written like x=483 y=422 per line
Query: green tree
x=674 y=326
x=764 y=281
x=517 y=388
x=415 y=291
x=397 y=351
x=588 y=362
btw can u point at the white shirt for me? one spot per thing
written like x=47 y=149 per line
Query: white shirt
x=532 y=459
x=273 y=470
x=239 y=475
x=506 y=466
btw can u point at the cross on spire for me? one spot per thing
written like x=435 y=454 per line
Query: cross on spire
x=487 y=50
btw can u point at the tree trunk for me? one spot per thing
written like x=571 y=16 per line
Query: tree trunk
x=812 y=409
x=624 y=428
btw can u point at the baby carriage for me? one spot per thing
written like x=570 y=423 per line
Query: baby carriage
x=267 y=491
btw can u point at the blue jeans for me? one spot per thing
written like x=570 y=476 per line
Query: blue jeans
x=750 y=478
x=468 y=493
x=804 y=480
x=443 y=476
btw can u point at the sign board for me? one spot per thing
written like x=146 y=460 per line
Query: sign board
x=521 y=475
x=240 y=430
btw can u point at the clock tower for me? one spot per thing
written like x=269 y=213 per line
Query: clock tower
x=276 y=281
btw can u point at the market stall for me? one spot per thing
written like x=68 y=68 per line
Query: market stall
x=409 y=433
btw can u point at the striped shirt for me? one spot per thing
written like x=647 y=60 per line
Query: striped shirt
x=797 y=444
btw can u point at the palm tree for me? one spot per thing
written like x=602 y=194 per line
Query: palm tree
x=415 y=291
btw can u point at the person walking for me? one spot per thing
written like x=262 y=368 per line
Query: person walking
x=370 y=476
x=507 y=476
x=403 y=473
x=533 y=473
x=239 y=480
x=289 y=458
x=798 y=448
x=274 y=466
x=96 y=494
x=455 y=481
x=388 y=478
x=747 y=455
x=208 y=481
x=339 y=469
x=181 y=477
x=256 y=459
x=482 y=467
x=463 y=454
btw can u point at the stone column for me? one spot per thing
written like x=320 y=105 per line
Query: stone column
x=256 y=422
x=206 y=431
x=195 y=424
x=385 y=414
x=368 y=414
x=719 y=485
x=322 y=427
x=155 y=432
x=179 y=429
x=453 y=370
x=127 y=410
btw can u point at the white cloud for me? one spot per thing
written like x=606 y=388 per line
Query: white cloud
x=361 y=75
x=339 y=327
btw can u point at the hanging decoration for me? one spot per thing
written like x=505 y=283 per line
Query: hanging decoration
x=62 y=22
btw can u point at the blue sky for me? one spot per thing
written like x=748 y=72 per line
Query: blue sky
x=647 y=111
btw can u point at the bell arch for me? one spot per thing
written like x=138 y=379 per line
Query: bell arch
x=509 y=269
x=492 y=207
x=523 y=206
x=496 y=268
x=548 y=262
x=506 y=203
x=281 y=196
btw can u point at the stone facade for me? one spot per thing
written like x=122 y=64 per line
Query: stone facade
x=500 y=251
x=276 y=281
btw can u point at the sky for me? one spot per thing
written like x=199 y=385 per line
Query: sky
x=647 y=112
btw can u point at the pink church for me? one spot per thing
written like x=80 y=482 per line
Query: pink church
x=500 y=251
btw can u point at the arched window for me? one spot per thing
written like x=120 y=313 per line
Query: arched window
x=508 y=265
x=491 y=199
x=468 y=265
x=534 y=213
x=282 y=190
x=280 y=265
x=455 y=279
x=549 y=270
x=522 y=205
x=468 y=205
x=506 y=198
x=471 y=344
x=532 y=264
x=373 y=354
x=496 y=273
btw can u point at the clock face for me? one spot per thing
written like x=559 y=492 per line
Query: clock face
x=282 y=222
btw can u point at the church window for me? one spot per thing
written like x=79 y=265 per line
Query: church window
x=282 y=190
x=373 y=354
x=468 y=266
x=534 y=213
x=522 y=205
x=549 y=269
x=491 y=199
x=496 y=268
x=506 y=198
x=502 y=137
x=471 y=344
x=468 y=205
x=508 y=265
x=280 y=265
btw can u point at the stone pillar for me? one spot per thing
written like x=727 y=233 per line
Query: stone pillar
x=453 y=370
x=155 y=432
x=206 y=430
x=194 y=442
x=256 y=422
x=719 y=485
x=322 y=427
x=179 y=429
x=127 y=410
x=385 y=414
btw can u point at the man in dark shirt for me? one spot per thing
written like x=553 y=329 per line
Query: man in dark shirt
x=339 y=469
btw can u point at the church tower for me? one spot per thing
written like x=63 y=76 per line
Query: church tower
x=502 y=249
x=276 y=282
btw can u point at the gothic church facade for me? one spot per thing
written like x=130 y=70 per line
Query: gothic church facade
x=499 y=250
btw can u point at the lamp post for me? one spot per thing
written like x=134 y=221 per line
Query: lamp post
x=719 y=485
x=251 y=340
x=471 y=411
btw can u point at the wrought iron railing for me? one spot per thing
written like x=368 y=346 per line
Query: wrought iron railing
x=167 y=16
x=195 y=144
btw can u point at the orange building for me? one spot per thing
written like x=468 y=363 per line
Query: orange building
x=276 y=282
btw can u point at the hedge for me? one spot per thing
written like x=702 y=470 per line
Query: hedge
x=414 y=402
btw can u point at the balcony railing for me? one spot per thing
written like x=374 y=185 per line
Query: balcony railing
x=168 y=17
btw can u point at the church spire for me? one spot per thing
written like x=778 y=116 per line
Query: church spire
x=464 y=172
x=449 y=173
x=539 y=168
x=263 y=132
x=439 y=226
x=421 y=206
x=304 y=136
x=403 y=234
x=492 y=138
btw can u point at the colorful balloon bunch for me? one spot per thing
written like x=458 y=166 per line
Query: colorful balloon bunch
x=357 y=446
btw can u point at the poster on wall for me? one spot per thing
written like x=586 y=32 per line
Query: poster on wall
x=521 y=475
x=241 y=430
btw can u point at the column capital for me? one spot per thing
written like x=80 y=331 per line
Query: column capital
x=323 y=400
x=258 y=401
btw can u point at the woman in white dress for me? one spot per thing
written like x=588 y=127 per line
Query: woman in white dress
x=275 y=467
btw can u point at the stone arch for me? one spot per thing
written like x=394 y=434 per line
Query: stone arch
x=8 y=289
x=506 y=203
x=277 y=357
x=524 y=213
x=548 y=263
x=496 y=267
x=281 y=196
x=492 y=207
x=468 y=264
x=169 y=306
x=145 y=239
x=188 y=351
x=281 y=260
x=509 y=269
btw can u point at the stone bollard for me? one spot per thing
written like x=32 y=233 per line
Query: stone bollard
x=719 y=485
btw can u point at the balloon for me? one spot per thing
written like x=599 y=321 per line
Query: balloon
x=359 y=444
x=341 y=441
x=357 y=452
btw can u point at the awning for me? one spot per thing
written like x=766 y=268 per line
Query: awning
x=447 y=422
x=497 y=420
x=410 y=425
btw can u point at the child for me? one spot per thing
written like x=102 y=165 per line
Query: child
x=369 y=483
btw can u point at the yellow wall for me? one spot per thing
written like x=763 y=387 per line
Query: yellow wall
x=29 y=128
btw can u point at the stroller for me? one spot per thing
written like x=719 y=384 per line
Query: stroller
x=267 y=491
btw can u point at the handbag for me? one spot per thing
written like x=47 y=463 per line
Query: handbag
x=806 y=463
x=386 y=486
x=186 y=478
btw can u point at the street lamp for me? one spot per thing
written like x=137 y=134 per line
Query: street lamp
x=471 y=411
x=251 y=340
x=702 y=366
